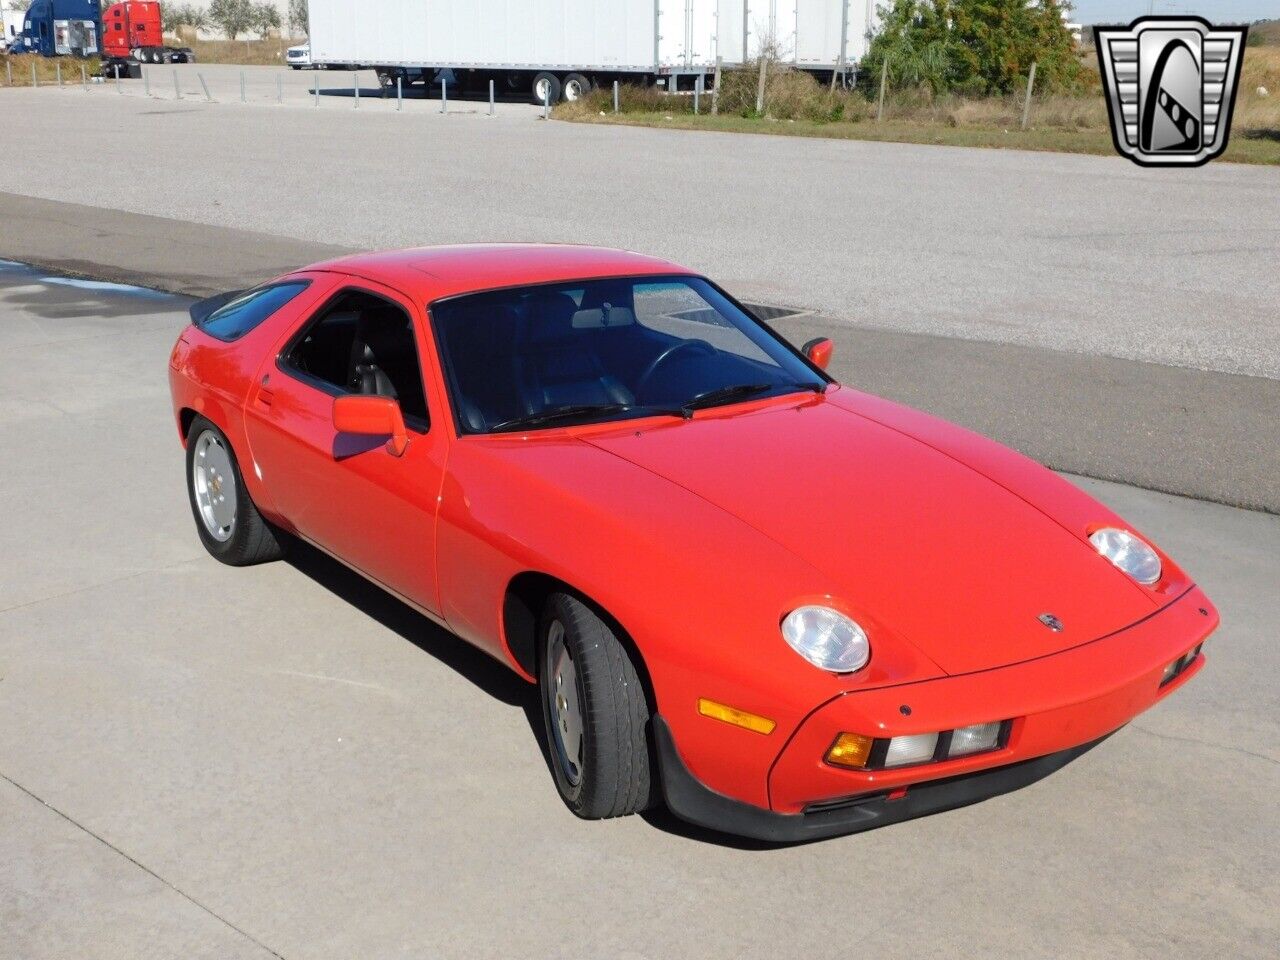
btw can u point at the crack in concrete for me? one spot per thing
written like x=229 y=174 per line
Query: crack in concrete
x=1204 y=743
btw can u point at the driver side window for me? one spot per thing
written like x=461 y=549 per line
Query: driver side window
x=362 y=343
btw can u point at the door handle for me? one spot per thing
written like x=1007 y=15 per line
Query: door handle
x=265 y=396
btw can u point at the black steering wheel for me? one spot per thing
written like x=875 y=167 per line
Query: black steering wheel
x=700 y=346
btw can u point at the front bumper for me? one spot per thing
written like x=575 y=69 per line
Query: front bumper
x=1060 y=706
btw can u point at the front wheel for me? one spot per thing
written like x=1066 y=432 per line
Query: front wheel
x=229 y=524
x=595 y=711
x=576 y=86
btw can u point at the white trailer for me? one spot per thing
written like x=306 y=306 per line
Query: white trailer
x=560 y=48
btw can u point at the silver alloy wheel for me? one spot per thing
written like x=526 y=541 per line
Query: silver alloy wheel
x=566 y=706
x=213 y=482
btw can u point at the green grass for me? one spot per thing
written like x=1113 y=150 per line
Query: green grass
x=1251 y=147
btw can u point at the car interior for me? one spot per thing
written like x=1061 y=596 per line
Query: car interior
x=361 y=343
x=515 y=353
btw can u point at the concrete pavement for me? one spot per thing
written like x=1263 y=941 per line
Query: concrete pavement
x=199 y=761
x=1083 y=254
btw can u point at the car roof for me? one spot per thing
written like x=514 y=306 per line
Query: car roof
x=431 y=273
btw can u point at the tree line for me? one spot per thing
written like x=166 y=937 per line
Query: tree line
x=234 y=17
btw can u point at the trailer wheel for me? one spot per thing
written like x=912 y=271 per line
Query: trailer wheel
x=157 y=56
x=546 y=88
x=576 y=86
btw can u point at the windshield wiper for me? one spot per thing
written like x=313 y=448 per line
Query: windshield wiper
x=573 y=412
x=741 y=391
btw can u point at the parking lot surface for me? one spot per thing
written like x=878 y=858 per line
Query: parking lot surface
x=1087 y=254
x=205 y=762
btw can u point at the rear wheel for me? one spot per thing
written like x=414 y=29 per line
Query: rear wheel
x=596 y=713
x=228 y=522
x=546 y=88
x=576 y=86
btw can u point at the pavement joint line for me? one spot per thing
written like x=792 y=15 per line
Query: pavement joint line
x=142 y=866
x=1204 y=743
x=94 y=586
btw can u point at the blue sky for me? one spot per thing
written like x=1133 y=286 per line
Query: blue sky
x=1226 y=11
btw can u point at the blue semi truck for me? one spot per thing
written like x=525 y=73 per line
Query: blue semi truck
x=60 y=28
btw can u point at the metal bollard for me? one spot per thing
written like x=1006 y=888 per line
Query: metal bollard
x=242 y=99
x=491 y=107
x=84 y=78
x=58 y=67
x=615 y=96
x=317 y=86
x=399 y=95
x=146 y=81
x=35 y=81
x=546 y=103
x=697 y=95
x=444 y=97
x=355 y=86
x=8 y=73
x=177 y=90
x=205 y=87
x=118 y=90
x=279 y=89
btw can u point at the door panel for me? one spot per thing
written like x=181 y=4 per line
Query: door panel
x=347 y=493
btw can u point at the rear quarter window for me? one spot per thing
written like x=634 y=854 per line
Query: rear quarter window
x=233 y=320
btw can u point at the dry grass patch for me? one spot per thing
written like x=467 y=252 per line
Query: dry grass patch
x=19 y=67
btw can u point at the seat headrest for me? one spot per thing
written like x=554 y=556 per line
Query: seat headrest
x=550 y=318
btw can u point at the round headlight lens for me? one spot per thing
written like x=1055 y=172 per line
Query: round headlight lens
x=827 y=639
x=1128 y=553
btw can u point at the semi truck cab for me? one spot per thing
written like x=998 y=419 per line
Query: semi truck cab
x=59 y=28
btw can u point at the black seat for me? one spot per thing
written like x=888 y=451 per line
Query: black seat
x=558 y=365
x=384 y=360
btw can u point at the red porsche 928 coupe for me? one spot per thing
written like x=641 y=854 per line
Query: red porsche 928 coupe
x=785 y=608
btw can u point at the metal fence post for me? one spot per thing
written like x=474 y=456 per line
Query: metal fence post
x=84 y=78
x=177 y=90
x=697 y=94
x=615 y=96
x=491 y=100
x=8 y=73
x=546 y=103
x=58 y=67
x=316 y=76
x=118 y=90
x=242 y=97
x=1026 y=107
x=444 y=97
x=146 y=82
x=399 y=95
x=204 y=86
x=884 y=79
x=355 y=86
x=715 y=93
x=35 y=81
x=279 y=89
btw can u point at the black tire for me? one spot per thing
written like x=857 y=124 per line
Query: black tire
x=251 y=538
x=575 y=87
x=552 y=88
x=614 y=768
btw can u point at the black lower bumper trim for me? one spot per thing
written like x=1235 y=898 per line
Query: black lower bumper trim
x=689 y=799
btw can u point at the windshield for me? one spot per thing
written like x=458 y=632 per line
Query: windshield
x=599 y=350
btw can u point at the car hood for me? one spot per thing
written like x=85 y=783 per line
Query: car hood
x=908 y=538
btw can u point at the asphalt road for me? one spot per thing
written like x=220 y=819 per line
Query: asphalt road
x=1085 y=254
x=282 y=761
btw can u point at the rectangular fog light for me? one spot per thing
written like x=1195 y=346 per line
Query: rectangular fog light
x=975 y=739
x=907 y=750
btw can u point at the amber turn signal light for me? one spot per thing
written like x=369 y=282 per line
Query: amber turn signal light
x=850 y=750
x=739 y=718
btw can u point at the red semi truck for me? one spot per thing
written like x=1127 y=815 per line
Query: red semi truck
x=132 y=32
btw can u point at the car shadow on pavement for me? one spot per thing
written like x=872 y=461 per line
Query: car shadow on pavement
x=480 y=669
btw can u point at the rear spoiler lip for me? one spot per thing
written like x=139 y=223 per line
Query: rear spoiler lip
x=201 y=310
